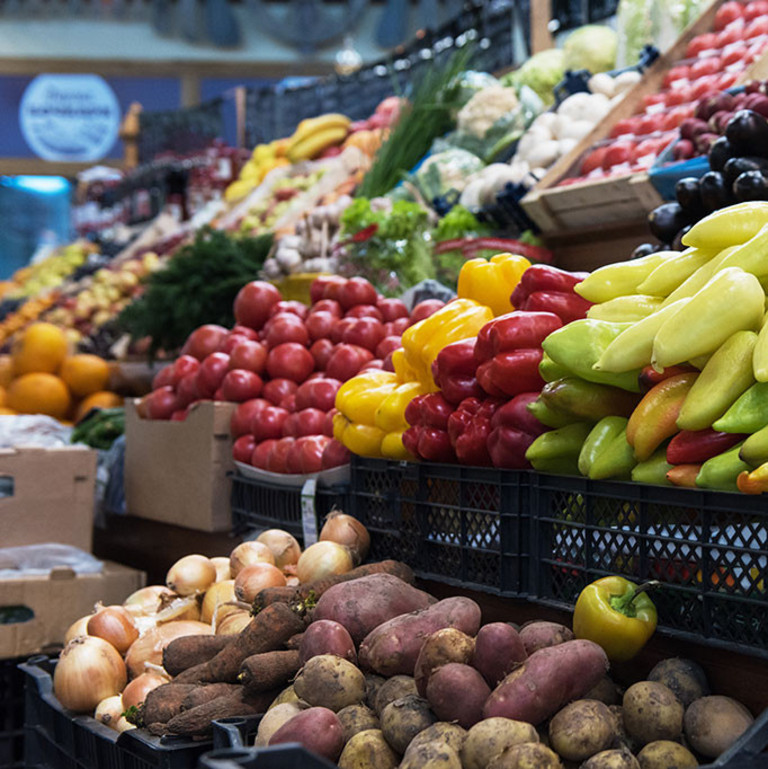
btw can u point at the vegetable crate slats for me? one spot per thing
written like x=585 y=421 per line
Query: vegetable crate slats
x=11 y=715
x=259 y=504
x=709 y=549
x=455 y=524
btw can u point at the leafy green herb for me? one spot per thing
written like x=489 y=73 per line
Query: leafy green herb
x=459 y=222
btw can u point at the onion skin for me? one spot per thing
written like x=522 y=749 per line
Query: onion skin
x=223 y=569
x=348 y=531
x=110 y=710
x=283 y=545
x=232 y=624
x=77 y=628
x=148 y=600
x=115 y=625
x=323 y=559
x=149 y=647
x=252 y=579
x=138 y=689
x=248 y=553
x=88 y=671
x=217 y=595
x=191 y=574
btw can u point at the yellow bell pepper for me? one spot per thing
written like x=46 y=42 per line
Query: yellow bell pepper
x=390 y=415
x=492 y=283
x=363 y=440
x=404 y=370
x=359 y=397
x=392 y=447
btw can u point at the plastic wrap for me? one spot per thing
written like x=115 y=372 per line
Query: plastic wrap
x=33 y=431
x=39 y=560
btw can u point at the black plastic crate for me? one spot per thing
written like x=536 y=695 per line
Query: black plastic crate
x=264 y=505
x=11 y=714
x=467 y=526
x=54 y=738
x=710 y=549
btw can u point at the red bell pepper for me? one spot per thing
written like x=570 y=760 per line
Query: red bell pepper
x=567 y=307
x=427 y=436
x=542 y=277
x=514 y=331
x=690 y=447
x=511 y=373
x=469 y=427
x=454 y=371
x=513 y=430
x=515 y=413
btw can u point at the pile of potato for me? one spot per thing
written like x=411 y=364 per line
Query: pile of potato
x=390 y=677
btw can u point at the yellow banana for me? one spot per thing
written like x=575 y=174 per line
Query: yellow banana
x=314 y=144
x=310 y=126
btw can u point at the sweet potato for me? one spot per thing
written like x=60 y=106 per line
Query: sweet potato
x=330 y=682
x=317 y=729
x=266 y=632
x=198 y=721
x=190 y=650
x=324 y=636
x=457 y=693
x=498 y=650
x=394 y=646
x=201 y=694
x=547 y=680
x=540 y=635
x=440 y=648
x=363 y=604
x=165 y=702
x=262 y=672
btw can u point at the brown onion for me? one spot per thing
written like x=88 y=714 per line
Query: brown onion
x=216 y=599
x=248 y=553
x=283 y=545
x=323 y=559
x=186 y=608
x=88 y=671
x=223 y=570
x=124 y=725
x=252 y=579
x=77 y=628
x=110 y=710
x=348 y=531
x=138 y=689
x=232 y=624
x=115 y=625
x=191 y=574
x=149 y=647
x=147 y=600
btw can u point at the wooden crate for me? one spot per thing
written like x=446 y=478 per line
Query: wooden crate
x=620 y=199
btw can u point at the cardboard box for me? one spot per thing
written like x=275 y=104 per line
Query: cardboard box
x=176 y=472
x=57 y=600
x=47 y=495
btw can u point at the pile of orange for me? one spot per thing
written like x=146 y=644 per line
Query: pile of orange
x=40 y=377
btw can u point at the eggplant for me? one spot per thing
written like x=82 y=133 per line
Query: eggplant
x=644 y=249
x=748 y=133
x=666 y=220
x=735 y=167
x=751 y=185
x=677 y=243
x=689 y=197
x=719 y=153
x=714 y=193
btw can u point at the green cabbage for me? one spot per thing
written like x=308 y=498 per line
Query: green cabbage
x=592 y=47
x=541 y=73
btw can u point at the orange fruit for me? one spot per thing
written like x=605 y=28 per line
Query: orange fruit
x=39 y=393
x=3 y=396
x=99 y=400
x=40 y=349
x=84 y=374
x=6 y=412
x=6 y=370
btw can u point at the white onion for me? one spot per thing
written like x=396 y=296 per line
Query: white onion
x=138 y=689
x=124 y=725
x=88 y=671
x=273 y=720
x=191 y=574
x=323 y=559
x=110 y=710
x=248 y=553
x=216 y=599
x=232 y=624
x=77 y=628
x=348 y=531
x=223 y=570
x=283 y=545
x=149 y=647
x=115 y=625
x=148 y=600
x=252 y=579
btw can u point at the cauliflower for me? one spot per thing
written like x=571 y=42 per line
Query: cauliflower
x=479 y=114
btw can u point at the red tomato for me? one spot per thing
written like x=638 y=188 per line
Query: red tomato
x=219 y=395
x=727 y=80
x=277 y=461
x=756 y=28
x=706 y=42
x=293 y=460
x=356 y=291
x=392 y=309
x=295 y=308
x=321 y=351
x=426 y=308
x=373 y=365
x=317 y=394
x=179 y=416
x=327 y=305
x=211 y=374
x=164 y=378
x=680 y=72
x=364 y=332
x=618 y=153
x=703 y=86
x=680 y=94
x=184 y=365
x=755 y=9
x=387 y=345
x=254 y=302
x=204 y=340
x=282 y=330
x=186 y=390
x=311 y=453
x=731 y=35
x=674 y=117
x=593 y=160
x=310 y=421
x=249 y=355
x=726 y=14
x=320 y=325
x=242 y=417
x=651 y=99
x=346 y=361
x=328 y=426
x=626 y=127
x=736 y=52
x=332 y=289
x=242 y=449
x=338 y=330
x=397 y=327
x=335 y=454
x=268 y=423
x=276 y=389
x=261 y=453
x=708 y=65
x=290 y=361
x=161 y=403
x=240 y=385
x=289 y=403
x=365 y=311
x=317 y=289
x=249 y=333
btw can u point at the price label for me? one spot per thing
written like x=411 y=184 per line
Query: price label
x=308 y=515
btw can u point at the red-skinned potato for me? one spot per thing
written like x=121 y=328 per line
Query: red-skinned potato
x=539 y=635
x=249 y=355
x=317 y=729
x=498 y=649
x=240 y=385
x=346 y=361
x=392 y=309
x=327 y=637
x=242 y=449
x=276 y=389
x=286 y=328
x=211 y=374
x=261 y=453
x=365 y=311
x=204 y=340
x=444 y=685
x=241 y=422
x=327 y=305
x=440 y=648
x=290 y=361
x=357 y=291
x=426 y=308
x=254 y=302
x=268 y=423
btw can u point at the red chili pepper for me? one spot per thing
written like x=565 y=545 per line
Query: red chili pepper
x=365 y=234
x=567 y=307
x=514 y=331
x=511 y=373
x=696 y=446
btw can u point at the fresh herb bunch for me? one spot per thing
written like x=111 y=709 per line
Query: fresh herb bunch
x=198 y=285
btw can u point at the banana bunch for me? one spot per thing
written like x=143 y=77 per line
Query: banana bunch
x=264 y=159
x=314 y=135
